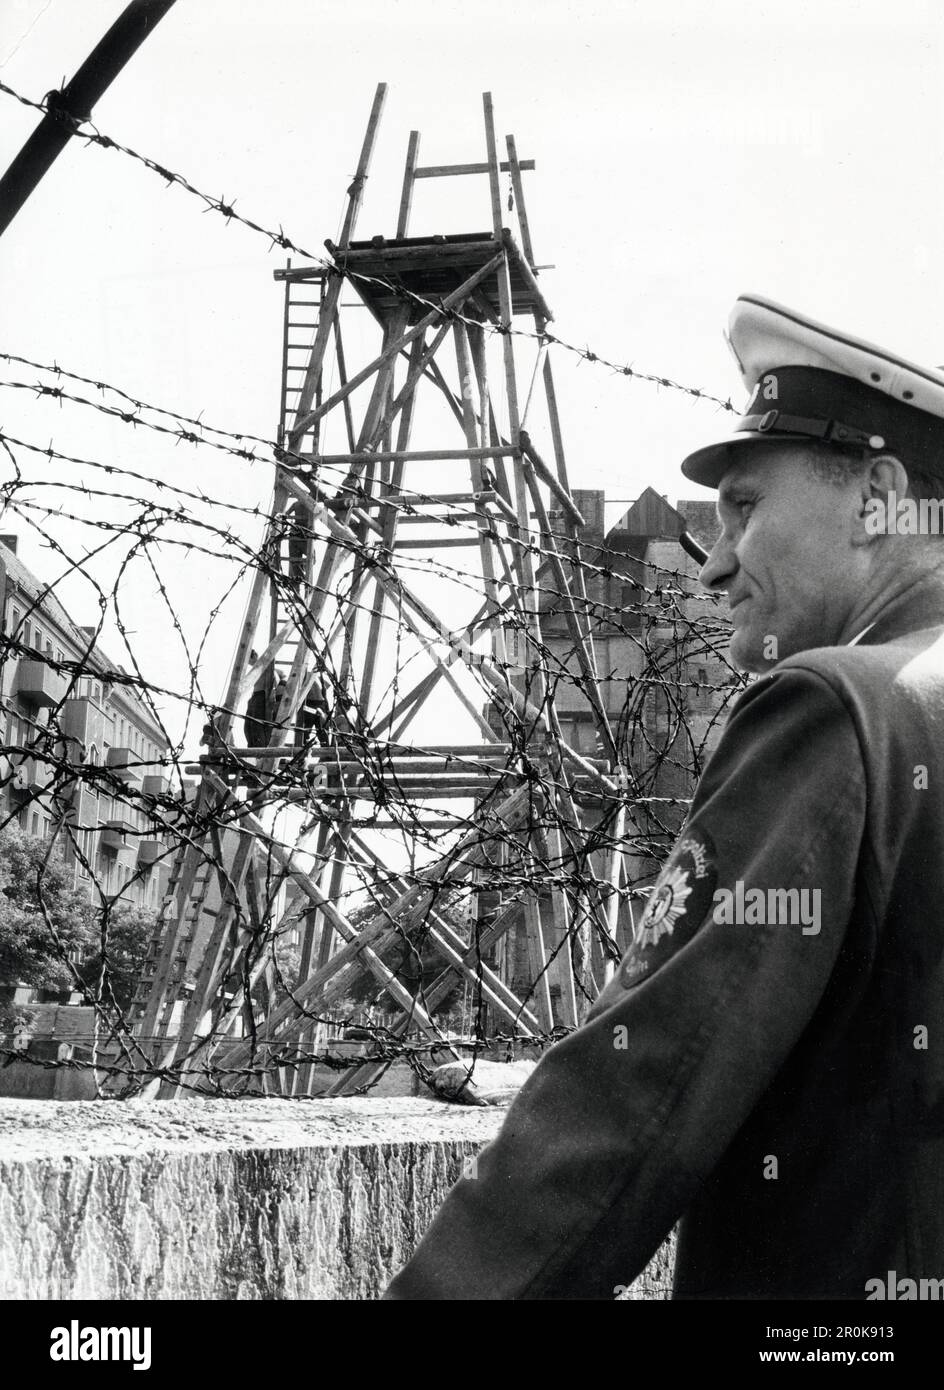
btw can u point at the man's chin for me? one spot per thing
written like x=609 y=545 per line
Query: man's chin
x=747 y=654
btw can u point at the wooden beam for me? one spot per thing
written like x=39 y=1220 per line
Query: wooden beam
x=418 y=499
x=451 y=865
x=527 y=275
x=451 y=946
x=450 y=301
x=612 y=880
x=547 y=477
x=517 y=186
x=339 y=922
x=331 y=297
x=409 y=176
x=422 y=543
x=342 y=377
x=434 y=994
x=473 y=451
x=355 y=193
x=529 y=596
x=537 y=958
x=389 y=520
x=417 y=365
x=444 y=171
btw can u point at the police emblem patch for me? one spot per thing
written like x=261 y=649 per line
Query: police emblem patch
x=665 y=906
x=678 y=904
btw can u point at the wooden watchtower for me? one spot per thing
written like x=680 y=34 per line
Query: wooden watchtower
x=434 y=467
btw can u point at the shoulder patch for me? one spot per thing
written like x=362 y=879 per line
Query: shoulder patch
x=678 y=904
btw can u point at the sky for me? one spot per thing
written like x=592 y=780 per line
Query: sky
x=685 y=154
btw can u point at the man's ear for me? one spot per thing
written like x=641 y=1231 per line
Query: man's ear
x=882 y=486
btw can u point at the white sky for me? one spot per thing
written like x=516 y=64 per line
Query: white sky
x=685 y=153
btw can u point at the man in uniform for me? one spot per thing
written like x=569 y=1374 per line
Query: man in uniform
x=768 y=1062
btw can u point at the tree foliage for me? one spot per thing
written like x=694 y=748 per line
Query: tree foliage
x=53 y=938
x=43 y=919
x=116 y=954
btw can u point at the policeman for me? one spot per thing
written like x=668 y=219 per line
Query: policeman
x=768 y=1063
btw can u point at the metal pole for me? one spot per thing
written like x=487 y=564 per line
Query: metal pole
x=71 y=106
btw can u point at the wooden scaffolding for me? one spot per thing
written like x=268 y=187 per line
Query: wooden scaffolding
x=339 y=592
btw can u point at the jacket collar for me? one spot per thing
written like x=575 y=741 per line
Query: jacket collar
x=921 y=606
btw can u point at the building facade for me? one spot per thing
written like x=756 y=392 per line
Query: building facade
x=665 y=682
x=107 y=824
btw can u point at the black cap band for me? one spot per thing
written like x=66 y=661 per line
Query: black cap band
x=822 y=405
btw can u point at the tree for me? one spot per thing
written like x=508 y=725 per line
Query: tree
x=116 y=953
x=43 y=919
x=96 y=949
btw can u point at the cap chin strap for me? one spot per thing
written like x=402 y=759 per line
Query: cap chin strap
x=832 y=431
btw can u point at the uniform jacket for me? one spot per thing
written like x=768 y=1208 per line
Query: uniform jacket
x=778 y=1085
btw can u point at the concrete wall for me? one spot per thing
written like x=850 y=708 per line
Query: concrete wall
x=28 y=1081
x=227 y=1199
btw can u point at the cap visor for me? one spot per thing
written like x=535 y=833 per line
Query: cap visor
x=709 y=465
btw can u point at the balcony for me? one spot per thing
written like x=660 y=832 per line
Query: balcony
x=28 y=775
x=155 y=784
x=126 y=764
x=113 y=834
x=149 y=851
x=82 y=721
x=39 y=683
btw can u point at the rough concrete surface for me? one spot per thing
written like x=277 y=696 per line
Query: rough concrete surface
x=213 y=1199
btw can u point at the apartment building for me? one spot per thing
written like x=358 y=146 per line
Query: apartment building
x=50 y=716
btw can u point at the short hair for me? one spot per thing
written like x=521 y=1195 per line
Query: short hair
x=839 y=463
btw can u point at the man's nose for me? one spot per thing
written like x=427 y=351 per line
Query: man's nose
x=720 y=567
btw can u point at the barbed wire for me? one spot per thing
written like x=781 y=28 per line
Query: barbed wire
x=326 y=891
x=510 y=880
x=84 y=129
x=123 y=1061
